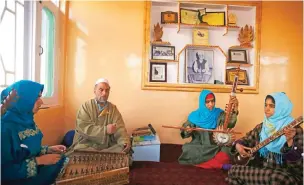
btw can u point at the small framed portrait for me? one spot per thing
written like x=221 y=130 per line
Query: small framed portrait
x=163 y=52
x=237 y=56
x=169 y=17
x=199 y=66
x=158 y=72
x=243 y=77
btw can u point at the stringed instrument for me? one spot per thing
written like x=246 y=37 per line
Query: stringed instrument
x=238 y=159
x=8 y=99
x=94 y=168
x=226 y=139
x=221 y=135
x=201 y=129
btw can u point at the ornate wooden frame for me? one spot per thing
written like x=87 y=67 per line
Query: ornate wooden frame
x=95 y=167
x=146 y=85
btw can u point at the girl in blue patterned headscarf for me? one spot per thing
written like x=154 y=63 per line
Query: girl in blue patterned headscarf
x=21 y=140
x=203 y=117
x=280 y=118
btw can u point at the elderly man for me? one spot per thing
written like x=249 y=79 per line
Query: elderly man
x=99 y=124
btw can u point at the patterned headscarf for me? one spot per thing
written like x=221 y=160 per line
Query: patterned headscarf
x=280 y=118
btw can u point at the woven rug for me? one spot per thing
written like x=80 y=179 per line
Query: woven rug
x=162 y=173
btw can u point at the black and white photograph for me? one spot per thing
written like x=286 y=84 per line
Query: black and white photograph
x=199 y=66
x=158 y=72
x=163 y=53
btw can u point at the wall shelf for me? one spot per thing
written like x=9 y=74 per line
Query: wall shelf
x=164 y=61
x=182 y=25
x=160 y=43
x=234 y=64
x=220 y=39
x=239 y=47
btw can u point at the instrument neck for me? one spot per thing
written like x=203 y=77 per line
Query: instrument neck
x=276 y=135
x=228 y=111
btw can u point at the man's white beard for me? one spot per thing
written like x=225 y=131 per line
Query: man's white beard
x=101 y=100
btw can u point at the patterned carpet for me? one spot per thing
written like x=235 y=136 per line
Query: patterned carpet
x=169 y=172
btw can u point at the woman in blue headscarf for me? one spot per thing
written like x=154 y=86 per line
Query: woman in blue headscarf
x=279 y=162
x=23 y=159
x=202 y=151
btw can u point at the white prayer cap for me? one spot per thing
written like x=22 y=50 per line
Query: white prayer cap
x=100 y=80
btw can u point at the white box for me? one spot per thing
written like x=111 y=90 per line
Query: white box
x=147 y=152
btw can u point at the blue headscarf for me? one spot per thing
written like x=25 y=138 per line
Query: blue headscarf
x=203 y=117
x=20 y=111
x=280 y=118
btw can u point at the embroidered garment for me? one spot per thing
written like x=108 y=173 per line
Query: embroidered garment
x=21 y=140
x=91 y=129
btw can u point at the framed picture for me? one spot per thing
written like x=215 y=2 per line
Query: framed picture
x=238 y=56
x=243 y=77
x=200 y=36
x=199 y=66
x=214 y=18
x=163 y=52
x=189 y=16
x=169 y=17
x=158 y=72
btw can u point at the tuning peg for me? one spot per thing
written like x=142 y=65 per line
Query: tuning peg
x=241 y=89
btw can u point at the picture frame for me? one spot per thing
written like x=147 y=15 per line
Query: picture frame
x=214 y=18
x=189 y=16
x=200 y=37
x=162 y=52
x=199 y=66
x=243 y=77
x=169 y=17
x=158 y=72
x=237 y=56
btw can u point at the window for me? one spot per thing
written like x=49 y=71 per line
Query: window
x=47 y=46
x=12 y=42
x=28 y=47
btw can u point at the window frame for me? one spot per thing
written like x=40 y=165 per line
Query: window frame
x=31 y=41
x=54 y=99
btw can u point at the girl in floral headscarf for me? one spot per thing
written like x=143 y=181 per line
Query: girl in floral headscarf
x=279 y=162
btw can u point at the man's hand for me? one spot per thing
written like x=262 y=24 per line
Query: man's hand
x=243 y=150
x=188 y=130
x=57 y=149
x=48 y=159
x=289 y=134
x=111 y=128
x=126 y=147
